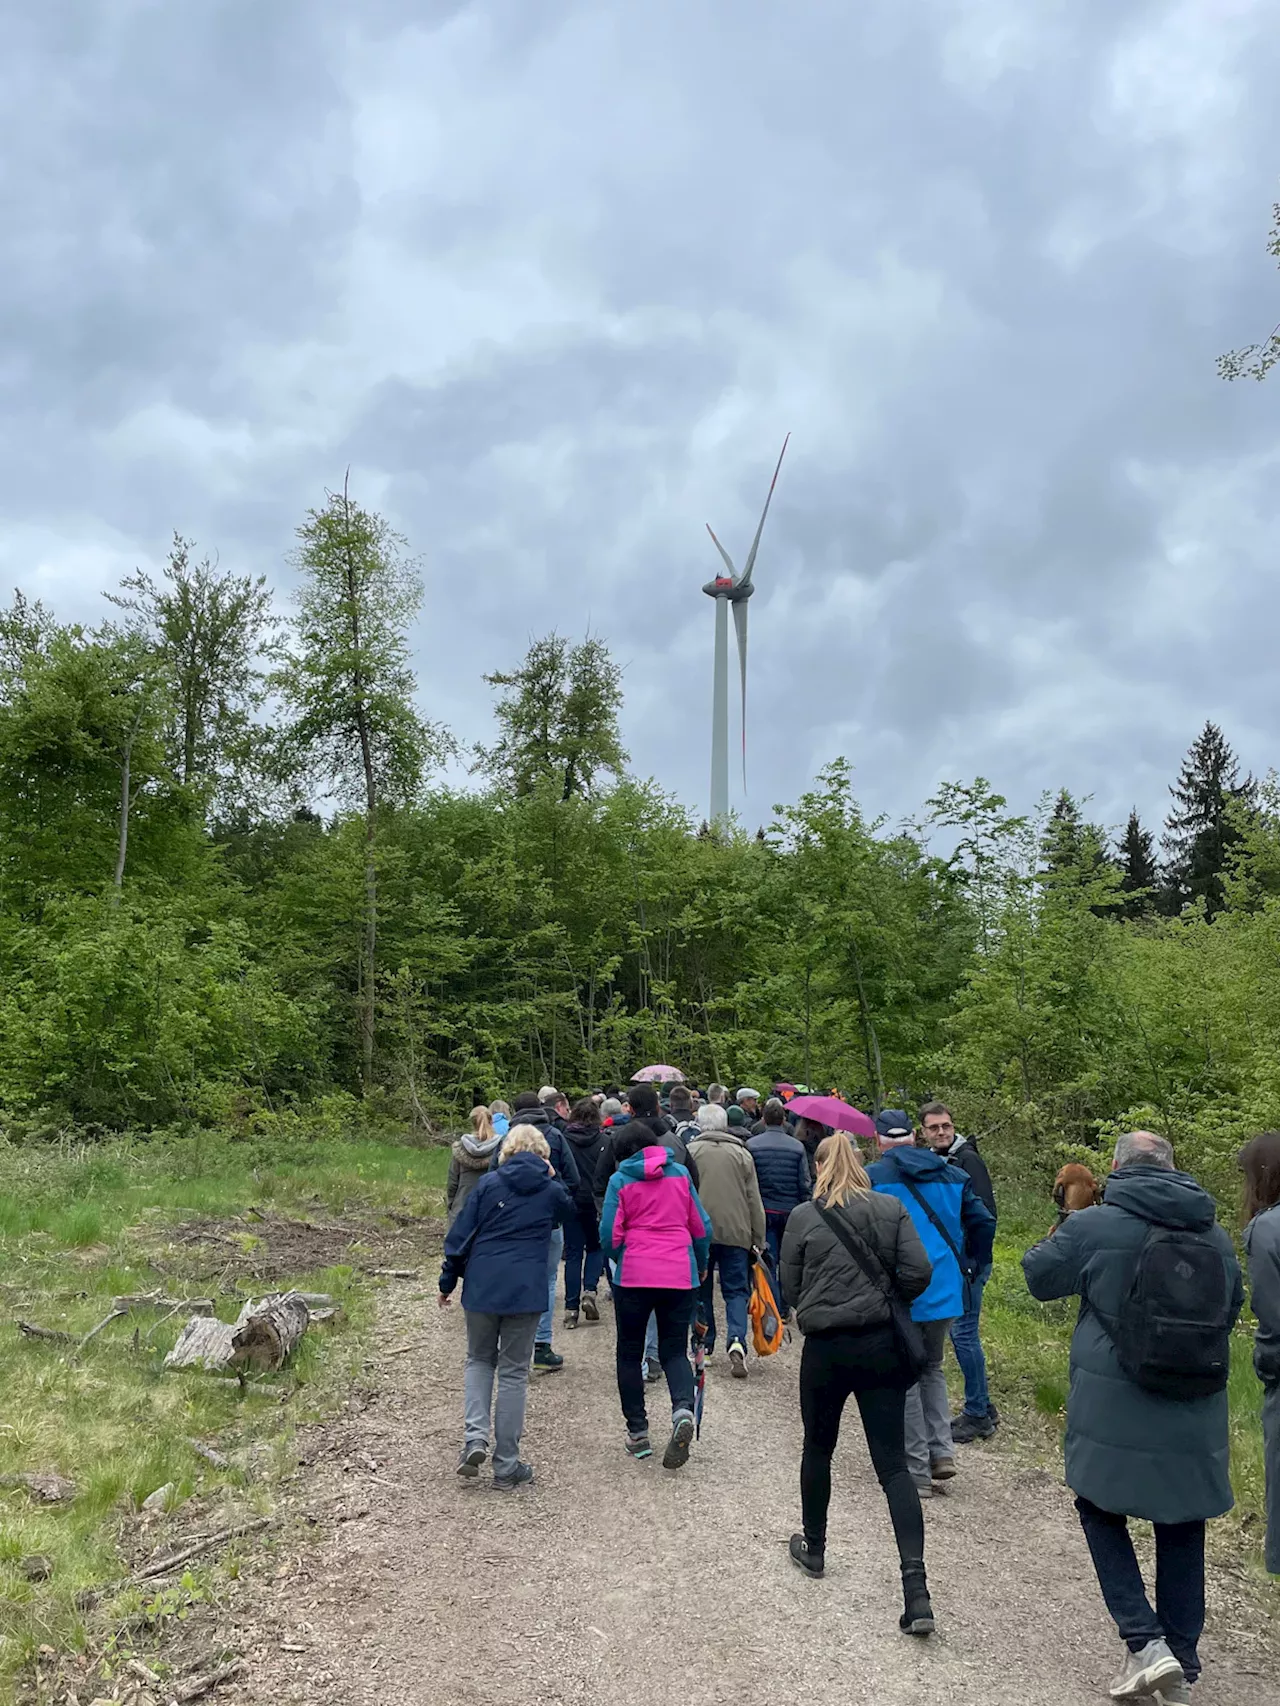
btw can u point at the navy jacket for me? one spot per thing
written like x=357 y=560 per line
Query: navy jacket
x=951 y=1196
x=782 y=1168
x=562 y=1158
x=501 y=1242
x=1128 y=1450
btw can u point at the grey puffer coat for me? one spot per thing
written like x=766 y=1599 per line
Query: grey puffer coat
x=1128 y=1450
x=827 y=1286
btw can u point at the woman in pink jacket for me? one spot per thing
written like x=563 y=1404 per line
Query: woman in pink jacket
x=658 y=1233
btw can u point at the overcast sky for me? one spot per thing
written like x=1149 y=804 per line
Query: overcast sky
x=555 y=278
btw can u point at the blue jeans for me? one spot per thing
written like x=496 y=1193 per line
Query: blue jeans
x=775 y=1224
x=543 y=1336
x=967 y=1345
x=583 y=1257
x=735 y=1285
x=1179 y=1614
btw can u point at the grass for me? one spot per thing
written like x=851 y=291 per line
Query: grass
x=78 y=1227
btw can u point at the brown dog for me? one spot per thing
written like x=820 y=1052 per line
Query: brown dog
x=1074 y=1188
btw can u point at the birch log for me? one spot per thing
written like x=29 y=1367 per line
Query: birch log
x=263 y=1336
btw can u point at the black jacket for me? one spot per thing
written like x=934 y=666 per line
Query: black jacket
x=614 y=1139
x=963 y=1153
x=562 y=1158
x=828 y=1287
x=586 y=1142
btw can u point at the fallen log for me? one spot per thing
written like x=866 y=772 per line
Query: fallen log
x=263 y=1336
x=126 y=1305
x=49 y=1335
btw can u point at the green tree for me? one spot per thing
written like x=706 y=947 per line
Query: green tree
x=1255 y=361
x=1203 y=826
x=349 y=691
x=558 y=719
x=1139 y=873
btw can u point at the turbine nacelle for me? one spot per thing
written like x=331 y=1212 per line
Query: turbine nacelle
x=723 y=587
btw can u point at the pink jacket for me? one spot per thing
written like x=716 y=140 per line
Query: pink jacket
x=653 y=1225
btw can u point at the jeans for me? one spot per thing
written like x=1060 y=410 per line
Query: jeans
x=775 y=1224
x=583 y=1257
x=735 y=1285
x=928 y=1414
x=967 y=1344
x=632 y=1308
x=553 y=1271
x=1179 y=1614
x=1271 y=1458
x=501 y=1345
x=863 y=1362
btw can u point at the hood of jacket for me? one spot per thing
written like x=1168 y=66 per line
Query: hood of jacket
x=958 y=1143
x=1161 y=1196
x=531 y=1116
x=583 y=1136
x=645 y=1163
x=524 y=1173
x=920 y=1166
x=481 y=1153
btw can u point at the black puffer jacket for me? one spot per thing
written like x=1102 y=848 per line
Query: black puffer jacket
x=828 y=1288
x=622 y=1136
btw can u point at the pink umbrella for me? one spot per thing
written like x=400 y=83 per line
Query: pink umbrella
x=658 y=1075
x=830 y=1110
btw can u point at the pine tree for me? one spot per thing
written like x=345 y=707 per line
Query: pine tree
x=1072 y=850
x=1140 y=880
x=1201 y=831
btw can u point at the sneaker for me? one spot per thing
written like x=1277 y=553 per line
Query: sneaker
x=639 y=1445
x=520 y=1476
x=943 y=1469
x=547 y=1359
x=651 y=1368
x=590 y=1306
x=966 y=1428
x=1171 y=1694
x=1144 y=1672
x=469 y=1463
x=677 y=1453
x=811 y=1559
x=571 y=1318
x=993 y=1415
x=925 y=1489
x=738 y=1360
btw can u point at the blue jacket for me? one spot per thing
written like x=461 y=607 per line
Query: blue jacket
x=501 y=1241
x=782 y=1169
x=952 y=1198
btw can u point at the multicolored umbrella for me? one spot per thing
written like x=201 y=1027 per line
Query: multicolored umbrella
x=830 y=1110
x=658 y=1075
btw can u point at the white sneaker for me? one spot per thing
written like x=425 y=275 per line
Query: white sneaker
x=738 y=1360
x=1154 y=1667
x=1171 y=1694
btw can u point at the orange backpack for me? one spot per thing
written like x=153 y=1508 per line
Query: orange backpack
x=762 y=1308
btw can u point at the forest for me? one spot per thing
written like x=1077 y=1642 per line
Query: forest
x=236 y=893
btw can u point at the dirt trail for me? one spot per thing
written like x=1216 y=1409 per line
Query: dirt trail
x=614 y=1581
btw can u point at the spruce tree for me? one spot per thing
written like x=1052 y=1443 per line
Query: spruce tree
x=1201 y=831
x=1140 y=879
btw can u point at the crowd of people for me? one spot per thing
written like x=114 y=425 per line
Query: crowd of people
x=880 y=1260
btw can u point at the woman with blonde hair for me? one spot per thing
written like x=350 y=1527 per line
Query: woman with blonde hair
x=472 y=1156
x=844 y=1255
x=499 y=1246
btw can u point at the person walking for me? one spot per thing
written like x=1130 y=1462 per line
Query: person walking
x=956 y=1230
x=1159 y=1289
x=528 y=1109
x=782 y=1172
x=729 y=1191
x=1260 y=1159
x=498 y=1246
x=658 y=1235
x=471 y=1159
x=583 y=1257
x=843 y=1255
x=978 y=1418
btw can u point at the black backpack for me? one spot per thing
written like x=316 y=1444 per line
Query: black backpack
x=1173 y=1333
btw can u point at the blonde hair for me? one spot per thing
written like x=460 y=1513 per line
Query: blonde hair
x=481 y=1124
x=524 y=1140
x=840 y=1171
x=499 y=1108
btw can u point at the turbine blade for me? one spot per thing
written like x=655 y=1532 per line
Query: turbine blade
x=740 y=624
x=755 y=543
x=728 y=560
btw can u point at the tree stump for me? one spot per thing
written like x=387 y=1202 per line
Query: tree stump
x=263 y=1337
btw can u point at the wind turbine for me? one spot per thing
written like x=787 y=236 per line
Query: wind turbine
x=729 y=590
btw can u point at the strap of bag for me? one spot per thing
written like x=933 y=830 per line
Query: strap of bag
x=862 y=1253
x=950 y=1241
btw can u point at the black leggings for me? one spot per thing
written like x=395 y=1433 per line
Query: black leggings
x=864 y=1362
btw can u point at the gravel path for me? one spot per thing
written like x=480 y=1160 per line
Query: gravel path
x=617 y=1582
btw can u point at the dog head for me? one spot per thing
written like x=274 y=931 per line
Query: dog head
x=1075 y=1188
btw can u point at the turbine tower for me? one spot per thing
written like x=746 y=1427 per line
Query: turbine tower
x=728 y=590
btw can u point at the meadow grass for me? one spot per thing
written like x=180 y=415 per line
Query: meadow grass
x=79 y=1226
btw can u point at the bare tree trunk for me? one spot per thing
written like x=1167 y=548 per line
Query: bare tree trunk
x=368 y=990
x=870 y=1041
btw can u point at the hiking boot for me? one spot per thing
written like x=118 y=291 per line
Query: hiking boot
x=811 y=1559
x=1171 y=1694
x=738 y=1360
x=471 y=1459
x=571 y=1318
x=993 y=1415
x=546 y=1359
x=917 y=1612
x=651 y=1368
x=677 y=1453
x=943 y=1469
x=966 y=1428
x=520 y=1476
x=639 y=1445
x=590 y=1306
x=1154 y=1667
